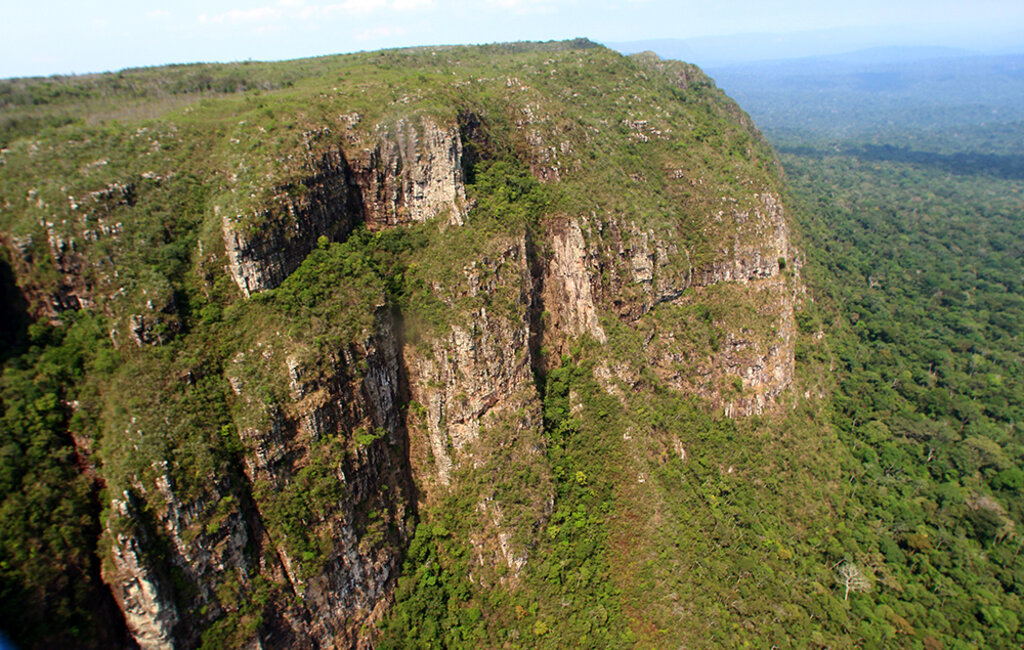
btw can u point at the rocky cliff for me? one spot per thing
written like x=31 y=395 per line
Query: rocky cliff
x=323 y=204
x=409 y=280
x=412 y=173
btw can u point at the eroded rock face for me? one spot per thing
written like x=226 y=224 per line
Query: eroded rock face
x=176 y=551
x=617 y=267
x=262 y=250
x=763 y=361
x=355 y=404
x=412 y=174
x=140 y=592
x=478 y=409
x=91 y=217
x=760 y=242
x=475 y=404
x=569 y=282
x=174 y=571
x=338 y=443
x=480 y=367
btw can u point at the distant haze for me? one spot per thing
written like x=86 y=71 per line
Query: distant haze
x=877 y=43
x=57 y=37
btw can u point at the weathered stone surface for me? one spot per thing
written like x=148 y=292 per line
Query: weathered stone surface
x=569 y=283
x=478 y=408
x=761 y=240
x=139 y=590
x=407 y=421
x=761 y=356
x=413 y=173
x=263 y=249
x=209 y=538
x=479 y=368
x=352 y=587
x=614 y=266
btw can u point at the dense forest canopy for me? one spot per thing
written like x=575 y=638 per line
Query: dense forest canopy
x=911 y=199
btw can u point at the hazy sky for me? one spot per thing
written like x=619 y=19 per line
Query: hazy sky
x=46 y=37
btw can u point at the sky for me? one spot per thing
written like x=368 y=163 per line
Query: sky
x=45 y=37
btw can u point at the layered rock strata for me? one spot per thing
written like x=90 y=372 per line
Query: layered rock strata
x=412 y=173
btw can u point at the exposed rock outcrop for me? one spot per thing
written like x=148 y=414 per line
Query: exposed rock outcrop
x=140 y=591
x=263 y=249
x=614 y=266
x=280 y=515
x=480 y=368
x=569 y=283
x=760 y=352
x=760 y=242
x=413 y=173
x=477 y=409
x=332 y=457
x=353 y=406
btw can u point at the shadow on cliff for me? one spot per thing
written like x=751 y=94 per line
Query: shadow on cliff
x=536 y=341
x=404 y=395
x=16 y=319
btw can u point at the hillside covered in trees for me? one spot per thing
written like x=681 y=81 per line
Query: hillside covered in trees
x=526 y=345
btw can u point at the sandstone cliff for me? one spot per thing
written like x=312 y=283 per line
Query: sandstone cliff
x=411 y=174
x=407 y=278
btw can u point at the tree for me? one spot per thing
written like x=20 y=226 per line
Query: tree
x=852 y=578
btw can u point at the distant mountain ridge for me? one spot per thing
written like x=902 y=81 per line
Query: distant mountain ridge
x=834 y=89
x=899 y=43
x=932 y=88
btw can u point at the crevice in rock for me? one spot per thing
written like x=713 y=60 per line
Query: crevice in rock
x=535 y=264
x=475 y=143
x=404 y=395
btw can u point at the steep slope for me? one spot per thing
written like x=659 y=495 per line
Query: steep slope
x=488 y=310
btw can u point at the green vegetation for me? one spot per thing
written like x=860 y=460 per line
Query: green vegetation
x=920 y=270
x=962 y=99
x=910 y=209
x=880 y=505
x=890 y=514
x=48 y=569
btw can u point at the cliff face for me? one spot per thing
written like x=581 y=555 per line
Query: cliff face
x=478 y=367
x=354 y=507
x=325 y=475
x=478 y=408
x=323 y=204
x=62 y=247
x=267 y=492
x=619 y=268
x=412 y=173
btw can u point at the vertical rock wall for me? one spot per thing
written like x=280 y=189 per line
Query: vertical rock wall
x=169 y=564
x=615 y=267
x=479 y=366
x=263 y=249
x=354 y=405
x=479 y=409
x=412 y=173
